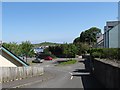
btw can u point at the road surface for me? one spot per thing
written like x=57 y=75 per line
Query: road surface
x=71 y=76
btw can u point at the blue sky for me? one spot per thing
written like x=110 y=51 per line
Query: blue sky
x=53 y=22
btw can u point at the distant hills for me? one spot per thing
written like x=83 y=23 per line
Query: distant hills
x=45 y=44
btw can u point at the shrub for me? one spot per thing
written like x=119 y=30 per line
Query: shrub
x=109 y=53
x=63 y=50
x=96 y=54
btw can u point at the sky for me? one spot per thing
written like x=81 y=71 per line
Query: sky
x=58 y=22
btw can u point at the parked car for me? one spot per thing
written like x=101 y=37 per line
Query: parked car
x=37 y=61
x=48 y=58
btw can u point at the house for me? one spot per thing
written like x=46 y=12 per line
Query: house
x=111 y=34
x=8 y=59
x=100 y=41
x=38 y=50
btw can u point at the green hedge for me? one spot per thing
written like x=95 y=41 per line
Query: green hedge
x=109 y=53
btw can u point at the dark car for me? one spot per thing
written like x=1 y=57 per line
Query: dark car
x=37 y=61
x=48 y=58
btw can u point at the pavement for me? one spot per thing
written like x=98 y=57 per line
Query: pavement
x=28 y=81
x=70 y=76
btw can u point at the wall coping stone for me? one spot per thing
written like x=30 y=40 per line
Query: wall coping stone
x=110 y=62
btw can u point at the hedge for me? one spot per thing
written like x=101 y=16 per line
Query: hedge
x=108 y=53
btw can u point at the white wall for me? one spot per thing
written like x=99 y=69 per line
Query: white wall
x=13 y=73
x=5 y=63
x=113 y=37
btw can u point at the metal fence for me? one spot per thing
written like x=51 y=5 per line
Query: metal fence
x=16 y=73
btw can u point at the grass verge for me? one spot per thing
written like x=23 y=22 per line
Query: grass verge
x=71 y=61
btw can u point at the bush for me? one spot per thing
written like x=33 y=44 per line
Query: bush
x=108 y=53
x=63 y=50
x=96 y=54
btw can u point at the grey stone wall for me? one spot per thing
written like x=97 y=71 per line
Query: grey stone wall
x=108 y=74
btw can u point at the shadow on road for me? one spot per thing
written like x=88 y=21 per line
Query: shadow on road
x=87 y=79
x=81 y=70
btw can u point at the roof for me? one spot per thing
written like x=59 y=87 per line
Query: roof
x=14 y=56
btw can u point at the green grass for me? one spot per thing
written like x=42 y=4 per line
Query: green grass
x=71 y=61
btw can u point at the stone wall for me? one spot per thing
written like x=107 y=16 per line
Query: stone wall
x=107 y=73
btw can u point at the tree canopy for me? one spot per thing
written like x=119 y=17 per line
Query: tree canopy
x=24 y=49
x=63 y=50
x=88 y=36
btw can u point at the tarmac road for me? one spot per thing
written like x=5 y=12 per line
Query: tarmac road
x=71 y=76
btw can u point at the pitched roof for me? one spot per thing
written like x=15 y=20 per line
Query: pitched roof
x=14 y=56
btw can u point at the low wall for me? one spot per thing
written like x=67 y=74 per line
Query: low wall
x=107 y=73
x=16 y=73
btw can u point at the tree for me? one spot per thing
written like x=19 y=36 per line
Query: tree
x=88 y=36
x=65 y=49
x=82 y=48
x=13 y=47
x=77 y=40
x=70 y=50
x=26 y=48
